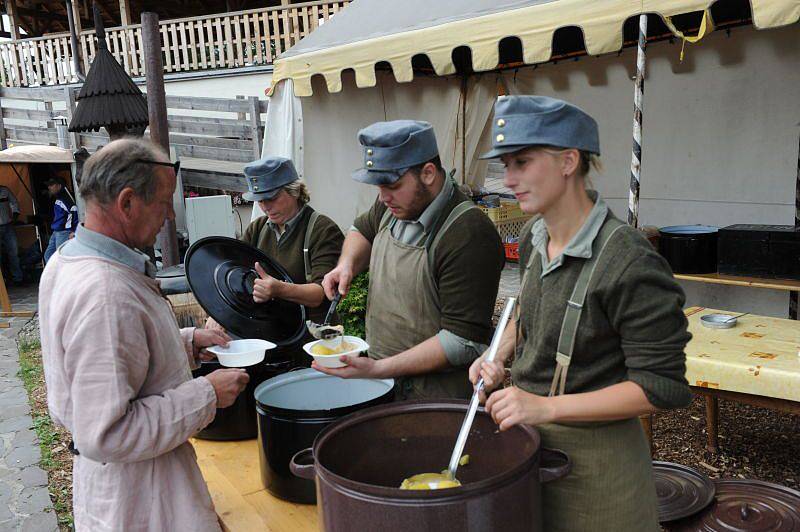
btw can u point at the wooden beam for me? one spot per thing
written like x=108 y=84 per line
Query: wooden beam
x=125 y=12
x=11 y=11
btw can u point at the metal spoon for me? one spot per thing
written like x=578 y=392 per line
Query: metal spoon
x=461 y=441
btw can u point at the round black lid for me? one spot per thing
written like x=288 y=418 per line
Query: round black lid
x=681 y=491
x=221 y=273
x=746 y=506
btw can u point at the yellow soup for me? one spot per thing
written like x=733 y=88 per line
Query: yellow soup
x=429 y=481
x=319 y=349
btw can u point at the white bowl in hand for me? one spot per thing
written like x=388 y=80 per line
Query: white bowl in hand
x=241 y=353
x=332 y=361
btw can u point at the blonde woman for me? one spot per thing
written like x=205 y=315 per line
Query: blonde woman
x=601 y=332
x=289 y=227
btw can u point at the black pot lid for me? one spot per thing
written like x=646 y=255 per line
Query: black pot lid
x=748 y=505
x=681 y=491
x=221 y=272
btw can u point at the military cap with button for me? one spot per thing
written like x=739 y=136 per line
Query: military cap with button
x=267 y=176
x=391 y=148
x=522 y=121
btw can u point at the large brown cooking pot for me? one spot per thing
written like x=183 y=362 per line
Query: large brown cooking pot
x=360 y=460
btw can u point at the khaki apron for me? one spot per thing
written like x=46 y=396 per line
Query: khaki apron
x=611 y=484
x=403 y=307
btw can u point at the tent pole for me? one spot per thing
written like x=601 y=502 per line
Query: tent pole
x=636 y=159
x=793 y=296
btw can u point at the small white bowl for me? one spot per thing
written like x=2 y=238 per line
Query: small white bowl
x=332 y=361
x=242 y=353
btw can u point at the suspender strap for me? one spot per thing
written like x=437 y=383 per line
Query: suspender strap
x=307 y=244
x=572 y=316
x=454 y=215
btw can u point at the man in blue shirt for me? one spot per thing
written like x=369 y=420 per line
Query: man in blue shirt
x=65 y=216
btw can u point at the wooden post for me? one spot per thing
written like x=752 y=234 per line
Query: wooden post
x=11 y=11
x=255 y=125
x=159 y=127
x=712 y=423
x=74 y=31
x=124 y=13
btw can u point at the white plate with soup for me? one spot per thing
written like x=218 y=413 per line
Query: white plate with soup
x=329 y=358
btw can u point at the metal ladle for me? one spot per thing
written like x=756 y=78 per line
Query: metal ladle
x=461 y=441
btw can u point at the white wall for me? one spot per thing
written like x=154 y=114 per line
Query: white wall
x=222 y=86
x=720 y=141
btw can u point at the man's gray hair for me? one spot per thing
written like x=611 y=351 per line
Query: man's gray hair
x=118 y=166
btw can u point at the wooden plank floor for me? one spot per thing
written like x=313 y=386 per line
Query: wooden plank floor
x=233 y=477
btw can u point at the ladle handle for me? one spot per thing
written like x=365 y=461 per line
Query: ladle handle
x=332 y=309
x=461 y=441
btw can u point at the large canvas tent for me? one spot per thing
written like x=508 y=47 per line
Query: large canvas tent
x=720 y=128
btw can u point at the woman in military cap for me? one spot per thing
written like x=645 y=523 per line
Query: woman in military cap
x=306 y=243
x=600 y=329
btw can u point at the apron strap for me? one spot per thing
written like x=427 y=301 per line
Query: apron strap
x=307 y=244
x=455 y=214
x=572 y=316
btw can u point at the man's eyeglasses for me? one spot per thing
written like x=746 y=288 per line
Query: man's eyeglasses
x=175 y=166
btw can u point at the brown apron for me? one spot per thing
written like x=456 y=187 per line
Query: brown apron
x=403 y=307
x=611 y=484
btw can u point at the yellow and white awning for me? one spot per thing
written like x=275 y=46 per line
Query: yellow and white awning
x=371 y=31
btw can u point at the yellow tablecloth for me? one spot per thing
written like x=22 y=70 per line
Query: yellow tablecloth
x=758 y=356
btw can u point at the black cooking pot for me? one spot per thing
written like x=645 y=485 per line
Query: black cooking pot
x=238 y=421
x=221 y=274
x=689 y=248
x=292 y=409
x=360 y=461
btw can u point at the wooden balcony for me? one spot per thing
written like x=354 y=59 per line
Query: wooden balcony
x=222 y=41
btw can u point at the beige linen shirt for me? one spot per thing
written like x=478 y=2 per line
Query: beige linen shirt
x=117 y=371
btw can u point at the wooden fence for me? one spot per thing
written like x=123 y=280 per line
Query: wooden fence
x=226 y=40
x=212 y=149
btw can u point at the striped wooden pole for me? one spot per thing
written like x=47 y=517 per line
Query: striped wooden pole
x=636 y=159
x=794 y=307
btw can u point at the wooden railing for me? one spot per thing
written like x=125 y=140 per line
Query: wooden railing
x=227 y=40
x=224 y=131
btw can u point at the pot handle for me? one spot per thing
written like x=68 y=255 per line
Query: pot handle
x=299 y=465
x=553 y=465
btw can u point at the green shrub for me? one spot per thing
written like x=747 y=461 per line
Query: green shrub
x=353 y=308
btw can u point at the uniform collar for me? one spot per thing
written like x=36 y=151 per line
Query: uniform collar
x=580 y=246
x=289 y=226
x=92 y=243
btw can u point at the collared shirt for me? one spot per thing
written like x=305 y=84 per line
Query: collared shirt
x=580 y=246
x=288 y=227
x=92 y=244
x=8 y=205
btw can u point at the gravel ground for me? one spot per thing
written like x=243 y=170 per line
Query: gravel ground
x=755 y=443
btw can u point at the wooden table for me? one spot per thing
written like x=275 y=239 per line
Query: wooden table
x=233 y=477
x=757 y=362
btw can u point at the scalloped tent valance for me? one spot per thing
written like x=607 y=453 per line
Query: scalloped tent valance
x=373 y=31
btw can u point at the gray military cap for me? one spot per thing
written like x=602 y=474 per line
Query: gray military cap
x=522 y=121
x=265 y=177
x=391 y=148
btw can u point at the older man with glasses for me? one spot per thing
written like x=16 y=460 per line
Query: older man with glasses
x=117 y=366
